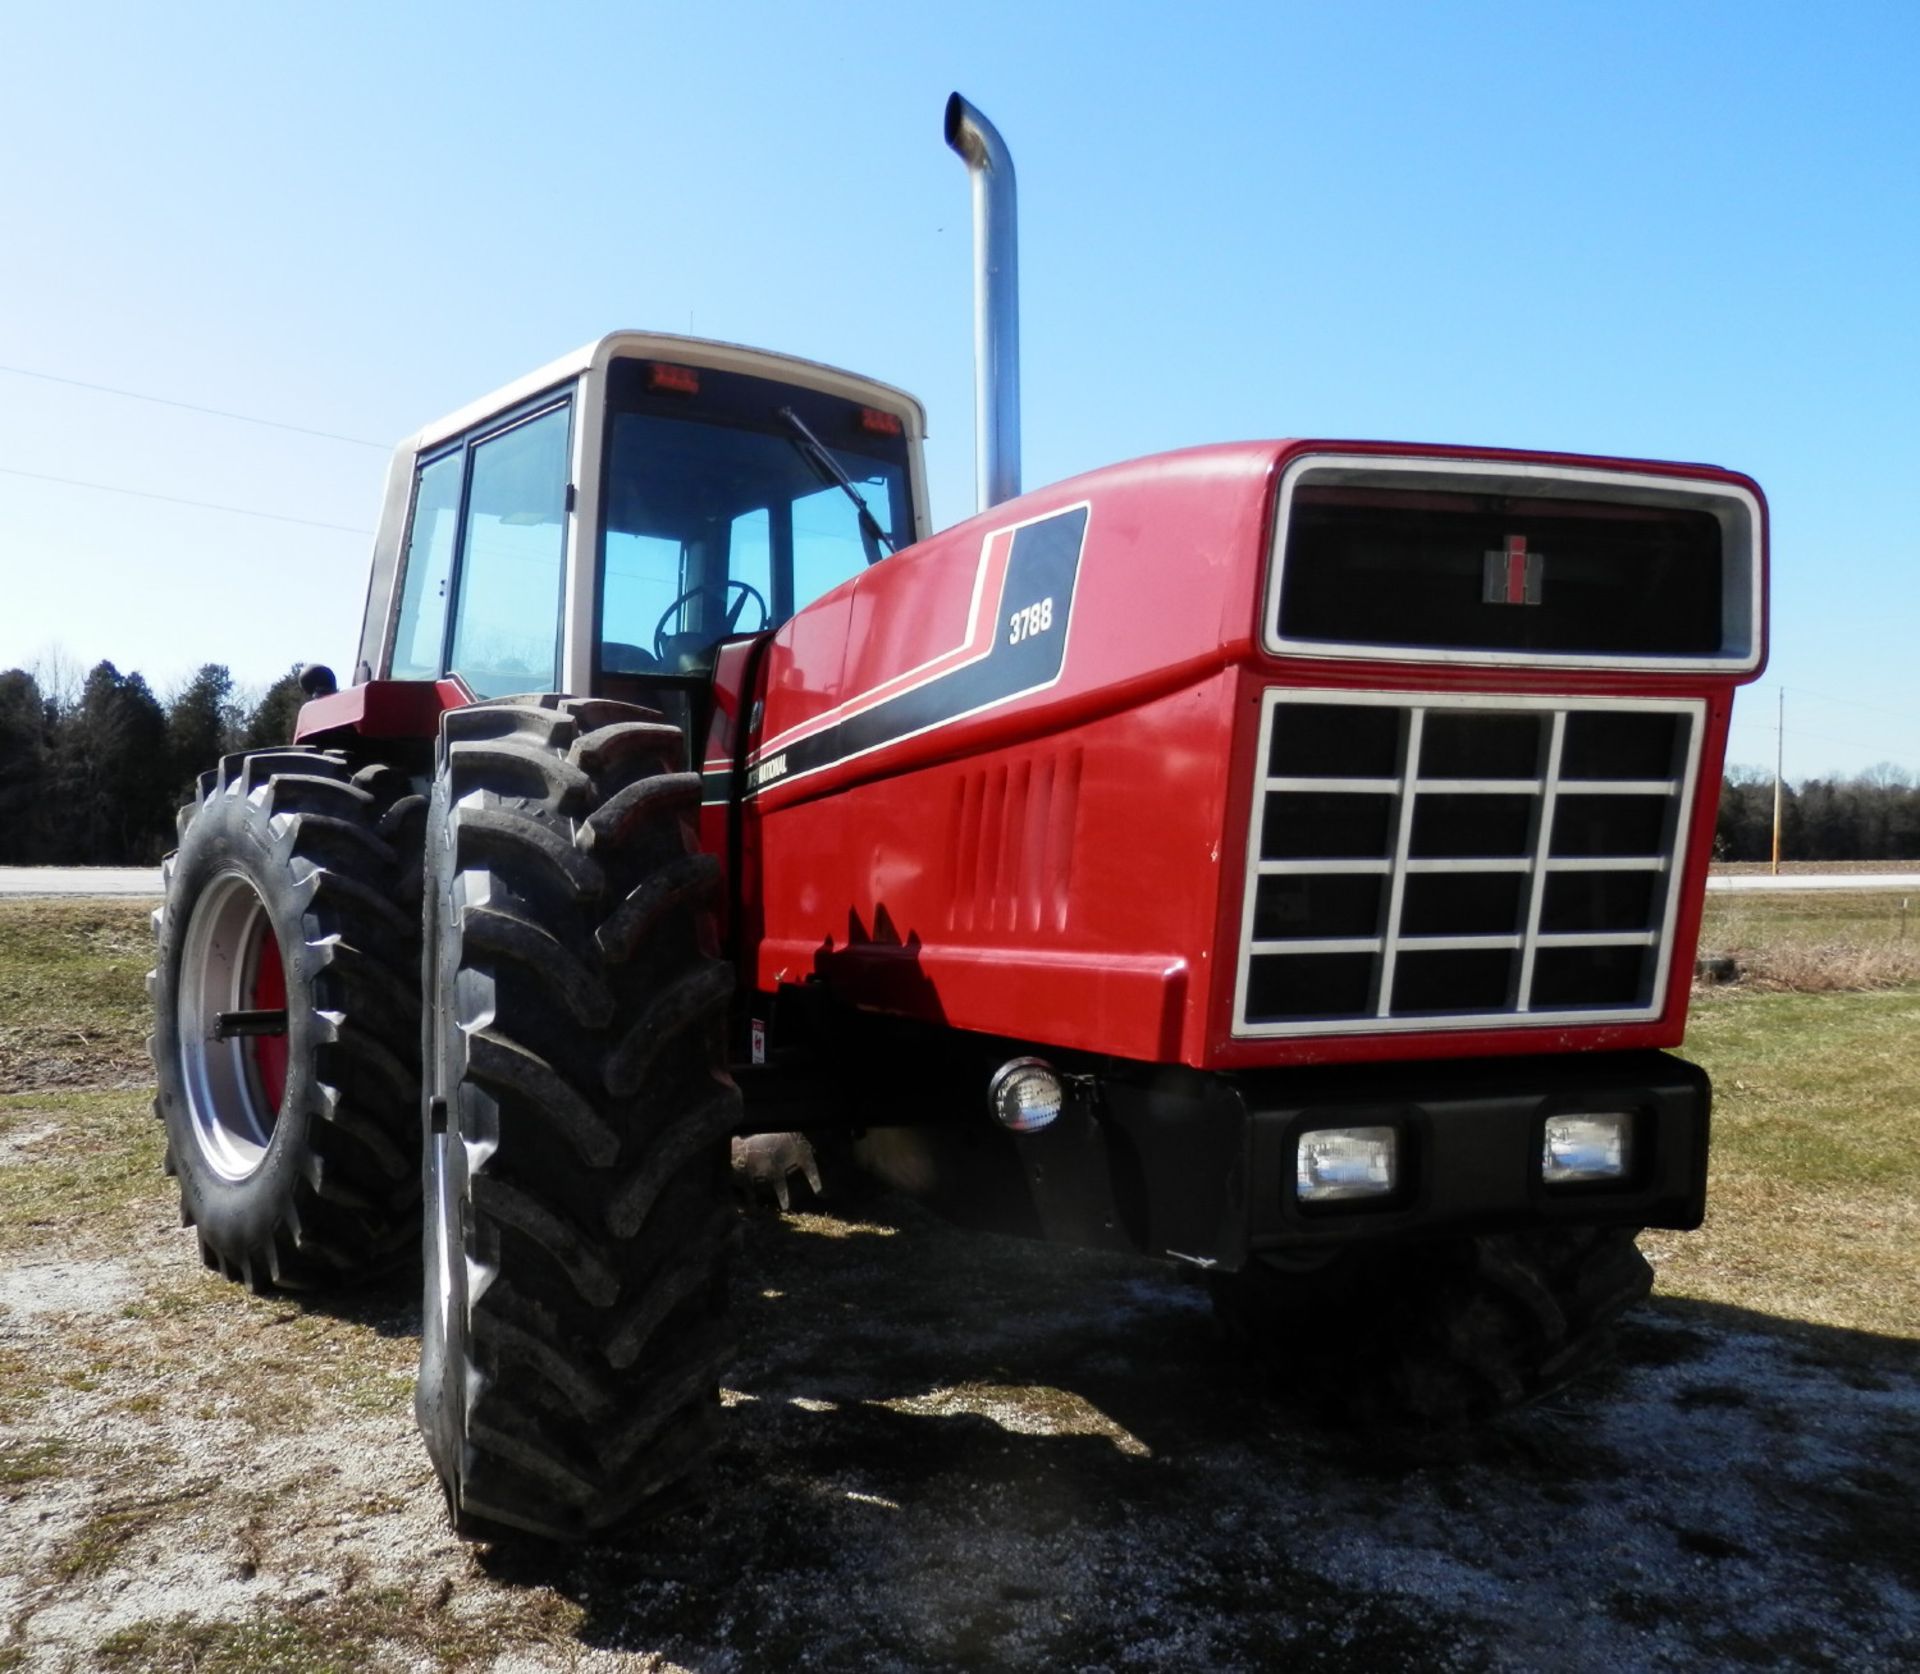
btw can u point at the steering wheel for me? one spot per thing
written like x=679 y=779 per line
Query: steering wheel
x=745 y=589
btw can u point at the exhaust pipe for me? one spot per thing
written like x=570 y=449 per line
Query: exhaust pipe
x=996 y=303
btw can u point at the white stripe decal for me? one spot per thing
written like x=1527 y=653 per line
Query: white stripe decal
x=989 y=577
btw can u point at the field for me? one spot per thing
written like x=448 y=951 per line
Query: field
x=1815 y=943
x=953 y=1452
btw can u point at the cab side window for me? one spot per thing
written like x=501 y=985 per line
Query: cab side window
x=487 y=549
x=506 y=624
x=422 y=635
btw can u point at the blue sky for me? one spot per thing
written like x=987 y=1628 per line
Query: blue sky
x=1678 y=231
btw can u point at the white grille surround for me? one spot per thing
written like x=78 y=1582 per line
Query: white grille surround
x=1447 y=861
x=1739 y=513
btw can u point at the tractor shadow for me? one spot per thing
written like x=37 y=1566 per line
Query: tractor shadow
x=956 y=1450
x=387 y=1304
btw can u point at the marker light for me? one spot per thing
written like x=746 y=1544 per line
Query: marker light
x=673 y=380
x=1025 y=1094
x=1581 y=1149
x=1333 y=1165
x=877 y=423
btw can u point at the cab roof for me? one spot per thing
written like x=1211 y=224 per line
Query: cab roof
x=594 y=358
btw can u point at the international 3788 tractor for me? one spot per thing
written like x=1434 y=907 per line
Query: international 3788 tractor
x=1283 y=858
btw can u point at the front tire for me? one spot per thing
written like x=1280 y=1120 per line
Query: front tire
x=285 y=1018
x=578 y=1216
x=1441 y=1333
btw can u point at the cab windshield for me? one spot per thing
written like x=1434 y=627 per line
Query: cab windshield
x=717 y=522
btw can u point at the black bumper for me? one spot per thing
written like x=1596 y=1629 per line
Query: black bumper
x=1202 y=1167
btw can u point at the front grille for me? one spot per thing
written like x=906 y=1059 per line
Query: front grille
x=1452 y=861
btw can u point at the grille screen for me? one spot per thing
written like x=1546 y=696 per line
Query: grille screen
x=1383 y=566
x=1440 y=862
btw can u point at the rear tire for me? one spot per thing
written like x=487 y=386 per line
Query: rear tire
x=578 y=1216
x=1441 y=1333
x=293 y=1149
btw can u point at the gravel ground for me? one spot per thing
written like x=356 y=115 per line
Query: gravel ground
x=947 y=1452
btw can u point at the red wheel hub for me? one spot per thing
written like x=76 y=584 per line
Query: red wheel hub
x=269 y=994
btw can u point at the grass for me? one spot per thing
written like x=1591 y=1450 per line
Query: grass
x=23 y=1381
x=349 y=1632
x=1814 y=1180
x=1813 y=1197
x=66 y=1191
x=74 y=1075
x=1818 y=942
x=280 y=1641
x=93 y=1548
x=73 y=1002
x=24 y=1461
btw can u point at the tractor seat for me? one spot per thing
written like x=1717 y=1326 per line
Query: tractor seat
x=617 y=657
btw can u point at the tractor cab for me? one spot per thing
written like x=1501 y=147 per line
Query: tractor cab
x=607 y=523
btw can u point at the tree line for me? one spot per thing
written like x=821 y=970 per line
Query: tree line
x=92 y=771
x=1873 y=816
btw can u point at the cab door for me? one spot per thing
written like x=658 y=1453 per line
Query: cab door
x=486 y=556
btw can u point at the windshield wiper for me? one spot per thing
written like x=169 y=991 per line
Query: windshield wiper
x=829 y=471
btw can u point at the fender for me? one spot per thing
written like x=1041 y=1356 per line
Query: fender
x=387 y=709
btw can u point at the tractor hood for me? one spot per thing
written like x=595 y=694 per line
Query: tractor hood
x=1021 y=778
x=1103 y=591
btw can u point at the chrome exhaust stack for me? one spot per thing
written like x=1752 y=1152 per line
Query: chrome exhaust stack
x=996 y=302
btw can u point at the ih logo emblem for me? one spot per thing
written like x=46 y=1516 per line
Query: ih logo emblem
x=1513 y=575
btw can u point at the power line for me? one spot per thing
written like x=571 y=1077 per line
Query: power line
x=177 y=500
x=1819 y=737
x=1855 y=703
x=1827 y=738
x=194 y=407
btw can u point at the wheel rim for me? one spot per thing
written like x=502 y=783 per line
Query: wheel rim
x=448 y=1239
x=440 y=1394
x=229 y=966
x=443 y=1219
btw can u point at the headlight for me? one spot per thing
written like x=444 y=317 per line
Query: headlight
x=1336 y=1164
x=1580 y=1149
x=1026 y=1094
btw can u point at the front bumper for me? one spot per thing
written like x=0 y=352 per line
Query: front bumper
x=1202 y=1167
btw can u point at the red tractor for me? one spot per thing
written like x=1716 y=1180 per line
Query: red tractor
x=1284 y=858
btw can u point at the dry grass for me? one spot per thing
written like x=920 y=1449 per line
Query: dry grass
x=73 y=1004
x=1814 y=1186
x=1830 y=968
x=1817 y=943
x=95 y=1547
x=355 y=1629
x=74 y=1160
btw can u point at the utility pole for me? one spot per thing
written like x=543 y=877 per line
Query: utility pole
x=1779 y=757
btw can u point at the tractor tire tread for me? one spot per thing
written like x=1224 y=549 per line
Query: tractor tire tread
x=1440 y=1334
x=350 y=1208
x=614 y=1327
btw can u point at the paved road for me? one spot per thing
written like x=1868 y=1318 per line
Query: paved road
x=79 y=880
x=1741 y=882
